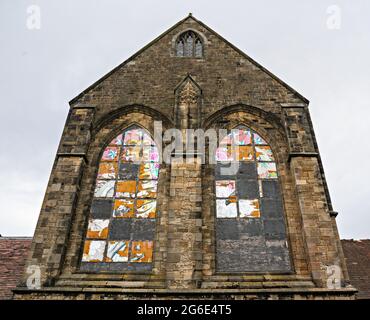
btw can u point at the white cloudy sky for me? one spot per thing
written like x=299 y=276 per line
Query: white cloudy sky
x=79 y=41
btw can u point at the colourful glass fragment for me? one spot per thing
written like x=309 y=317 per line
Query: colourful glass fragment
x=264 y=153
x=126 y=189
x=225 y=188
x=145 y=208
x=266 y=170
x=123 y=208
x=224 y=154
x=133 y=137
x=258 y=139
x=150 y=154
x=244 y=153
x=141 y=251
x=93 y=251
x=117 y=251
x=130 y=154
x=149 y=171
x=107 y=170
x=110 y=154
x=249 y=208
x=231 y=199
x=147 y=189
x=98 y=228
x=104 y=188
x=241 y=137
x=225 y=208
x=117 y=141
x=147 y=140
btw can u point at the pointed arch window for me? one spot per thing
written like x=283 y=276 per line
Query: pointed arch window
x=250 y=226
x=189 y=44
x=121 y=227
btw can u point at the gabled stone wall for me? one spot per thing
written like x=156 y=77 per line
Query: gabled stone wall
x=231 y=89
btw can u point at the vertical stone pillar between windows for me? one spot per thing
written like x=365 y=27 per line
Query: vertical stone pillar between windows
x=184 y=255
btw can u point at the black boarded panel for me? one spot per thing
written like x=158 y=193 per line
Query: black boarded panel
x=227 y=229
x=238 y=229
x=227 y=170
x=255 y=258
x=278 y=255
x=271 y=208
x=104 y=266
x=120 y=229
x=115 y=267
x=140 y=267
x=250 y=228
x=228 y=256
x=243 y=170
x=128 y=171
x=247 y=189
x=143 y=229
x=252 y=255
x=101 y=208
x=271 y=189
x=242 y=255
x=247 y=170
x=274 y=229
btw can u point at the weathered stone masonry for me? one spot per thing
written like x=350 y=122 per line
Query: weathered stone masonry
x=223 y=89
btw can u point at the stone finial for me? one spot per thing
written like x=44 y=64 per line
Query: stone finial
x=188 y=94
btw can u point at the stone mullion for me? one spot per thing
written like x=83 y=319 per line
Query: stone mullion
x=184 y=256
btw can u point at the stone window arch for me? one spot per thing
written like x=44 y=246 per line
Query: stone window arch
x=250 y=226
x=189 y=44
x=121 y=226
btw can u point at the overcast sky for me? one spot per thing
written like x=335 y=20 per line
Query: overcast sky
x=305 y=43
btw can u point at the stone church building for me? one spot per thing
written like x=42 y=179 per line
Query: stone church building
x=125 y=216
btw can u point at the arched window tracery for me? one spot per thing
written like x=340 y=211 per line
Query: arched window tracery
x=121 y=227
x=189 y=44
x=250 y=227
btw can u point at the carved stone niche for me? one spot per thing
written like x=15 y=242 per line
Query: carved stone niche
x=187 y=112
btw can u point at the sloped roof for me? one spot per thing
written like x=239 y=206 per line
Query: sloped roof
x=13 y=253
x=357 y=255
x=190 y=16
